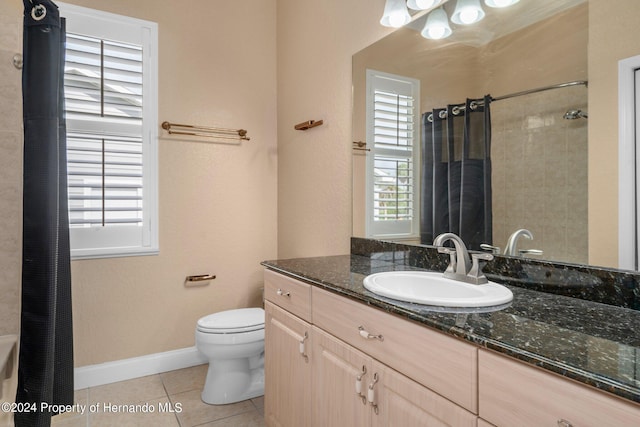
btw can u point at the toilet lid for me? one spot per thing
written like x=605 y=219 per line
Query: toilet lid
x=233 y=321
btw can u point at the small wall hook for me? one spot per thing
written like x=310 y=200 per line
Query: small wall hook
x=308 y=124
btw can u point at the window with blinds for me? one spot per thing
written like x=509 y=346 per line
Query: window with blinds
x=110 y=77
x=392 y=169
x=103 y=89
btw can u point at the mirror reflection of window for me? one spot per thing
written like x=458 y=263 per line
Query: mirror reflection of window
x=393 y=105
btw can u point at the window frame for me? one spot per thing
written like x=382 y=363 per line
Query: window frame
x=402 y=85
x=123 y=240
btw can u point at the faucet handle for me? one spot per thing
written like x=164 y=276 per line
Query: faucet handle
x=524 y=252
x=491 y=248
x=475 y=274
x=453 y=261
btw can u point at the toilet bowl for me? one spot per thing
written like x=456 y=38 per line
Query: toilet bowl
x=233 y=342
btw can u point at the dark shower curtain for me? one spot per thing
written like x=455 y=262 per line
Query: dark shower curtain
x=45 y=371
x=456 y=173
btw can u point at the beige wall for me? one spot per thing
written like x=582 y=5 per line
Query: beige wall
x=613 y=36
x=316 y=40
x=217 y=201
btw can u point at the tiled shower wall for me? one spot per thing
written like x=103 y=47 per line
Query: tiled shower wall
x=540 y=173
x=10 y=171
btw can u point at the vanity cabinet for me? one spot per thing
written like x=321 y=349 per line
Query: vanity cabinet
x=320 y=344
x=314 y=361
x=514 y=394
x=287 y=351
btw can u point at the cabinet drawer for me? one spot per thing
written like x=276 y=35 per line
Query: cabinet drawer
x=441 y=363
x=290 y=294
x=514 y=394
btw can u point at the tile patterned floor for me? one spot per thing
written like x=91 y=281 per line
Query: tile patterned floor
x=152 y=398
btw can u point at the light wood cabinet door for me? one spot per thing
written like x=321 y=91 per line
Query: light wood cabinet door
x=287 y=369
x=336 y=367
x=515 y=394
x=403 y=402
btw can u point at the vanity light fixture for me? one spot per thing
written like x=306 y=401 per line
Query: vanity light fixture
x=467 y=12
x=424 y=4
x=437 y=26
x=500 y=3
x=395 y=14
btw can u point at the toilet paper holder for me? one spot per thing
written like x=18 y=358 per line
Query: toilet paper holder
x=199 y=280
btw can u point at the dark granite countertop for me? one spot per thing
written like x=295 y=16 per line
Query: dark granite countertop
x=593 y=343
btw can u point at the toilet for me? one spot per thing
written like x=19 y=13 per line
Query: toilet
x=233 y=342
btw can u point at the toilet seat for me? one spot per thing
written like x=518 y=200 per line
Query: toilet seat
x=232 y=321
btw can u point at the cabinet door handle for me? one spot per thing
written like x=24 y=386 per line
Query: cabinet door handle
x=564 y=423
x=283 y=293
x=365 y=334
x=302 y=346
x=359 y=385
x=371 y=394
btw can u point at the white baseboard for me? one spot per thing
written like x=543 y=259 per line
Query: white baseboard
x=126 y=369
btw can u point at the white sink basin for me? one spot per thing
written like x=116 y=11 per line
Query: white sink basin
x=430 y=288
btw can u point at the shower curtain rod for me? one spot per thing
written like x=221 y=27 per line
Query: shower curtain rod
x=475 y=104
x=541 y=89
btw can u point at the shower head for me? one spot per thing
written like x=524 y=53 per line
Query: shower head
x=575 y=114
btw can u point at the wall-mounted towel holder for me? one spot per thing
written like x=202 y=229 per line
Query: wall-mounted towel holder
x=308 y=124
x=205 y=131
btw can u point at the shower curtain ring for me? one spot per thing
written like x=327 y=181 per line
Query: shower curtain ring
x=38 y=12
x=442 y=114
x=430 y=118
x=473 y=105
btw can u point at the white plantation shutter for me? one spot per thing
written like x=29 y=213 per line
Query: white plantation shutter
x=111 y=111
x=392 y=177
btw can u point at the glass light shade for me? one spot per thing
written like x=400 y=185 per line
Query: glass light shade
x=437 y=26
x=467 y=12
x=500 y=3
x=395 y=14
x=423 y=4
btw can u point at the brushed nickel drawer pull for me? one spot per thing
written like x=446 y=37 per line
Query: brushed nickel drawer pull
x=359 y=385
x=367 y=335
x=283 y=293
x=371 y=394
x=302 y=347
x=200 y=278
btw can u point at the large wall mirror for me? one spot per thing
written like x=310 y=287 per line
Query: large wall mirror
x=539 y=141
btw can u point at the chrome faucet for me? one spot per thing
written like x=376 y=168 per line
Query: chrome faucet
x=512 y=243
x=462 y=267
